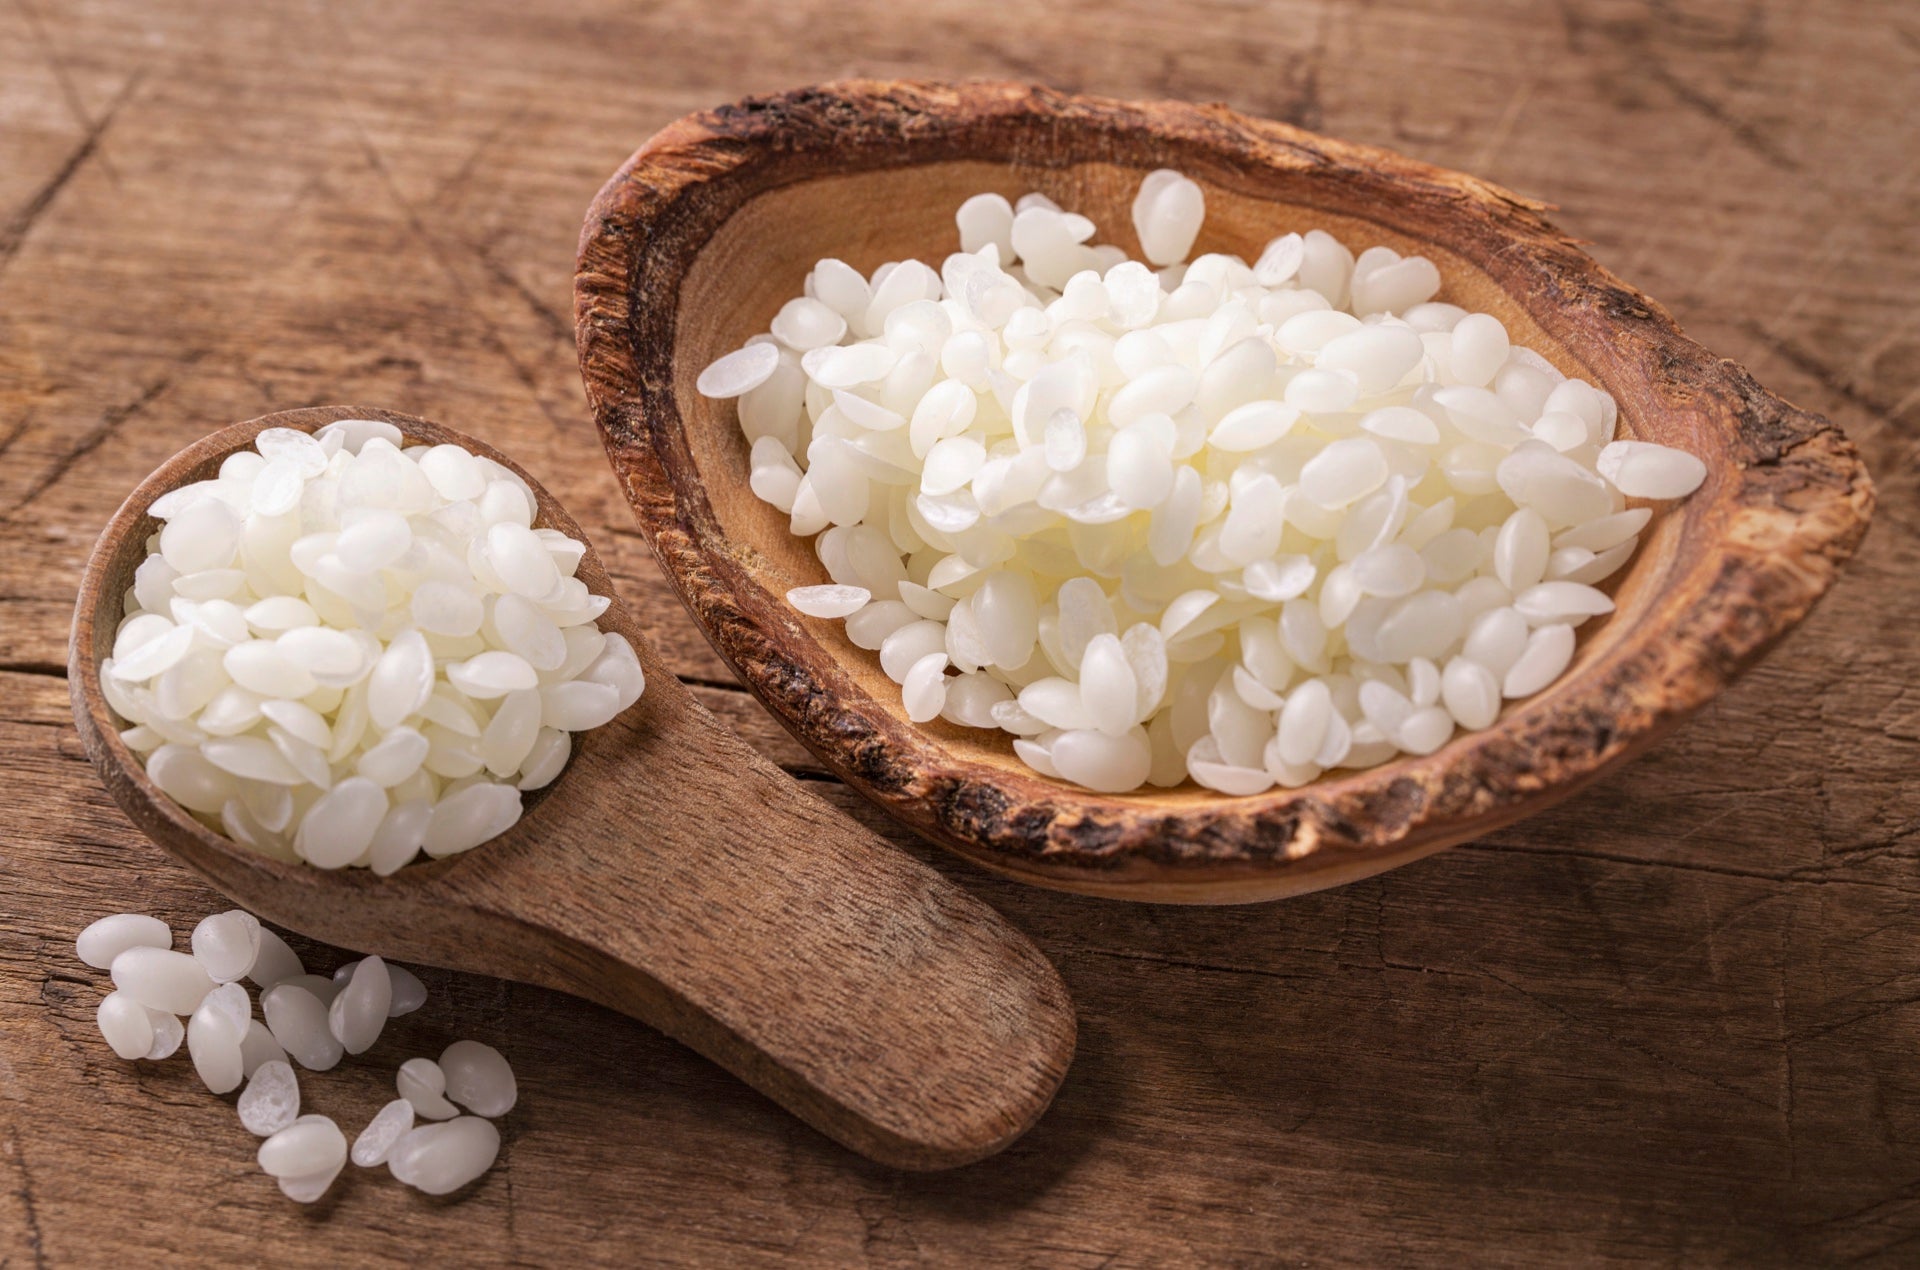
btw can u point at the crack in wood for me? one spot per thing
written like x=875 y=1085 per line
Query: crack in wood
x=14 y=234
x=1836 y=1025
x=1646 y=37
x=29 y=1205
x=1570 y=1018
x=417 y=228
x=561 y=328
x=52 y=670
x=709 y=681
x=109 y=423
x=16 y=431
x=1810 y=875
x=1827 y=377
x=54 y=64
x=1182 y=963
x=1747 y=134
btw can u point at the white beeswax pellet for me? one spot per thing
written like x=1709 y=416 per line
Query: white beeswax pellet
x=478 y=1078
x=439 y=1159
x=271 y=1100
x=161 y=979
x=393 y=1122
x=1300 y=474
x=298 y=1022
x=423 y=1084
x=227 y=944
x=126 y=1025
x=108 y=937
x=305 y=1157
x=357 y=1015
x=261 y=699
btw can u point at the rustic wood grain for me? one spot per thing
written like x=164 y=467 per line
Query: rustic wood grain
x=1673 y=1020
x=694 y=244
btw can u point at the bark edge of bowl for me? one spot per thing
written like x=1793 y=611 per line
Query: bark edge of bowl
x=1718 y=580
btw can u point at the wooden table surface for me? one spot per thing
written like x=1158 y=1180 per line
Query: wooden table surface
x=1674 y=1020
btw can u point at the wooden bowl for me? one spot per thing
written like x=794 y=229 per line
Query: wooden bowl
x=699 y=238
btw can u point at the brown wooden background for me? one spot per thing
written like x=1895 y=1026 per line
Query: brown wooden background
x=1675 y=1020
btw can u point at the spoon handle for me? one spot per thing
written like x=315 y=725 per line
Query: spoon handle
x=679 y=877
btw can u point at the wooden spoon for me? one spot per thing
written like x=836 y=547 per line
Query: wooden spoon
x=693 y=246
x=674 y=875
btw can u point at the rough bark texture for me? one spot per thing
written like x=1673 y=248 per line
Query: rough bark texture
x=1726 y=574
x=1672 y=1020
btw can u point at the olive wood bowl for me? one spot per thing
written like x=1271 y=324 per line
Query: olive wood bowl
x=671 y=873
x=696 y=242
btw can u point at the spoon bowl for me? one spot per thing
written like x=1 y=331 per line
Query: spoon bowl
x=672 y=874
x=696 y=242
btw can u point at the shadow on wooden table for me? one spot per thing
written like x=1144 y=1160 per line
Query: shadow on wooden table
x=1669 y=1005
x=1671 y=1018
